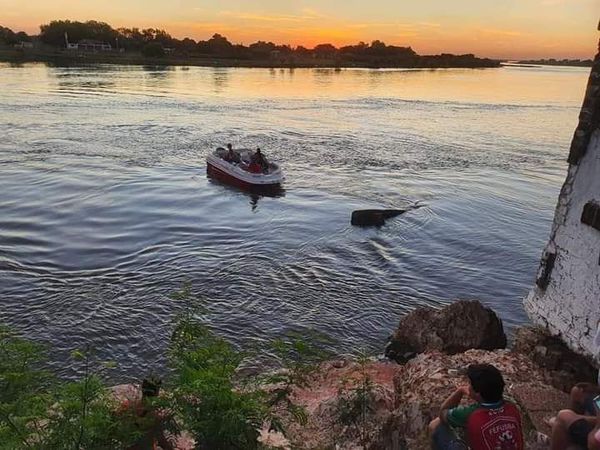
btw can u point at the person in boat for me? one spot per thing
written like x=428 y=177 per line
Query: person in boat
x=231 y=155
x=258 y=162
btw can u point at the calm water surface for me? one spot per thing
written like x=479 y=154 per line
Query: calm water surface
x=106 y=208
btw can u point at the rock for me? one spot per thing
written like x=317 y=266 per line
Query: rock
x=373 y=217
x=453 y=329
x=321 y=399
x=541 y=403
x=561 y=366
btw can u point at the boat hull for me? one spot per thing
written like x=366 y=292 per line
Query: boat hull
x=225 y=177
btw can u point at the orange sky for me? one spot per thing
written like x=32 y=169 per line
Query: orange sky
x=495 y=28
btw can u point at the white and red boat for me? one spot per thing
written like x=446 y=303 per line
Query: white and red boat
x=241 y=173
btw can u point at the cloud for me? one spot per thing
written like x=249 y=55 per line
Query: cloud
x=306 y=15
x=501 y=33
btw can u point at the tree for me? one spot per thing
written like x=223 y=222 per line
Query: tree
x=54 y=32
x=216 y=45
x=153 y=50
x=23 y=37
x=325 y=51
x=7 y=36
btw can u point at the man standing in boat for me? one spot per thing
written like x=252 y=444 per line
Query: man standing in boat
x=231 y=155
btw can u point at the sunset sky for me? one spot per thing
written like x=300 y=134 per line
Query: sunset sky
x=494 y=28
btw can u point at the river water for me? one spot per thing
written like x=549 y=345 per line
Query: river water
x=106 y=208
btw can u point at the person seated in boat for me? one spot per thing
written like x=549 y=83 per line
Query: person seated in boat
x=231 y=155
x=258 y=162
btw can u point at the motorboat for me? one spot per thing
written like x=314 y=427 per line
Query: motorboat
x=242 y=172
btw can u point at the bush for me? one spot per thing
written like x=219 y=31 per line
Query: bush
x=212 y=409
x=153 y=50
x=37 y=411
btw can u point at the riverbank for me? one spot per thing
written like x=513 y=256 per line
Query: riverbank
x=61 y=57
x=396 y=402
x=313 y=402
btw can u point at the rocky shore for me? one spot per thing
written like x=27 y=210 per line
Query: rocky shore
x=434 y=346
x=387 y=404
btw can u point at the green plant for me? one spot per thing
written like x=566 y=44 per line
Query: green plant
x=356 y=405
x=38 y=411
x=299 y=359
x=219 y=415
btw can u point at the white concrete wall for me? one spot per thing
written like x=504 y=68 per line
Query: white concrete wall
x=570 y=304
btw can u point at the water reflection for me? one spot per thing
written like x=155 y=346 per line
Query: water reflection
x=158 y=71
x=253 y=193
x=220 y=77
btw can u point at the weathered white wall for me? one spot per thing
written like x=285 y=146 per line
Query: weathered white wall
x=570 y=304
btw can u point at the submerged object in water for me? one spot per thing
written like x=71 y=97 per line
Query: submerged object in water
x=373 y=217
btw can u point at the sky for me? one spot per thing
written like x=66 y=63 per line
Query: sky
x=511 y=29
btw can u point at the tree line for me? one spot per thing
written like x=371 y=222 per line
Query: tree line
x=156 y=42
x=9 y=37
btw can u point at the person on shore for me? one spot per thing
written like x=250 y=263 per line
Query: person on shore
x=571 y=429
x=231 y=155
x=151 y=423
x=579 y=425
x=489 y=422
x=594 y=436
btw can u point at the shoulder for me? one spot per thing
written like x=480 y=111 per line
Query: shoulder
x=458 y=416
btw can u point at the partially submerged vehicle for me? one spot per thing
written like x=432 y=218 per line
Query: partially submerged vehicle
x=242 y=171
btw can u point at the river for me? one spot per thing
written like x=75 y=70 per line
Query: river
x=106 y=209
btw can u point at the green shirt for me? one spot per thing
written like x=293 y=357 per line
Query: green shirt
x=457 y=417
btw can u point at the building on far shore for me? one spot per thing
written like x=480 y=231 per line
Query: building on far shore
x=566 y=296
x=90 y=45
x=23 y=45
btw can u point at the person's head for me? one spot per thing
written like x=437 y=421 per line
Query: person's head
x=486 y=381
x=150 y=387
x=229 y=146
x=258 y=151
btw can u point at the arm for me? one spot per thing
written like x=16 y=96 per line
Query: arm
x=594 y=436
x=452 y=402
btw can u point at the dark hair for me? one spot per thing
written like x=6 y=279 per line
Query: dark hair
x=229 y=146
x=151 y=386
x=487 y=381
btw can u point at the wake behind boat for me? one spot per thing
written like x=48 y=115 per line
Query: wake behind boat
x=243 y=168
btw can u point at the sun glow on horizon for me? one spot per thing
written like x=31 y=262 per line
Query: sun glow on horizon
x=508 y=29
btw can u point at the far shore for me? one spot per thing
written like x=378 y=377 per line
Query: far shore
x=17 y=56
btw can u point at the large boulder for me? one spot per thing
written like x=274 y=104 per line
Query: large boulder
x=562 y=367
x=456 y=328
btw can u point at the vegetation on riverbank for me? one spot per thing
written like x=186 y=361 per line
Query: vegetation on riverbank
x=560 y=62
x=204 y=396
x=60 y=41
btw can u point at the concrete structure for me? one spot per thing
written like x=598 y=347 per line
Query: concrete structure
x=566 y=297
x=93 y=45
x=24 y=45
